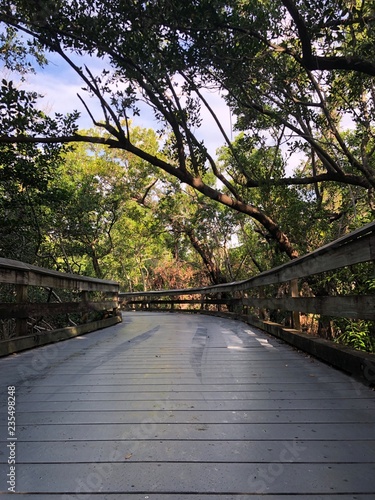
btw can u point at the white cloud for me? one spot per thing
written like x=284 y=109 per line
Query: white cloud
x=209 y=131
x=60 y=84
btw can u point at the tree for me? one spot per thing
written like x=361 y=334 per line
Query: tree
x=26 y=173
x=347 y=31
x=201 y=231
x=83 y=226
x=166 y=53
x=101 y=216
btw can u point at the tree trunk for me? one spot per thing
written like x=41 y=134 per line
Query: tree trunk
x=215 y=273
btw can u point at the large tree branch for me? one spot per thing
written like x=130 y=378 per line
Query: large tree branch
x=354 y=180
x=347 y=63
x=329 y=63
x=326 y=159
x=185 y=177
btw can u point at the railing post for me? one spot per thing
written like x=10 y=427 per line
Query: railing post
x=296 y=321
x=245 y=307
x=21 y=298
x=115 y=298
x=116 y=309
x=202 y=301
x=84 y=300
x=262 y=312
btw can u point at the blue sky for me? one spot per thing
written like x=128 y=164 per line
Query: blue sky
x=60 y=84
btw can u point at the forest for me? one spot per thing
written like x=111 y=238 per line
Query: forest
x=155 y=208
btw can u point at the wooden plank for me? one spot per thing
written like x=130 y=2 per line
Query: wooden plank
x=16 y=272
x=21 y=322
x=79 y=495
x=294 y=292
x=38 y=339
x=353 y=306
x=237 y=415
x=191 y=301
x=217 y=478
x=10 y=310
x=187 y=416
x=98 y=402
x=193 y=451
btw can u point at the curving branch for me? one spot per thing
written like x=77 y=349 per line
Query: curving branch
x=197 y=183
x=328 y=63
x=354 y=180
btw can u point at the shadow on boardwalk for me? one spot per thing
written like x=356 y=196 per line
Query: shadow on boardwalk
x=173 y=406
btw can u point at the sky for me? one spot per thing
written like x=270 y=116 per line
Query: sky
x=59 y=85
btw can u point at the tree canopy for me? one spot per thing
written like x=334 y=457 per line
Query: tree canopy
x=295 y=75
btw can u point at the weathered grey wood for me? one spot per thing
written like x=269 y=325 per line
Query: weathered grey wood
x=179 y=301
x=152 y=400
x=324 y=259
x=167 y=430
x=201 y=451
x=26 y=310
x=16 y=272
x=237 y=401
x=211 y=414
x=21 y=322
x=294 y=292
x=187 y=496
x=354 y=306
x=172 y=406
x=29 y=341
x=22 y=275
x=216 y=478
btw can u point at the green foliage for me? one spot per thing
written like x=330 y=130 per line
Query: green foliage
x=27 y=172
x=292 y=180
x=357 y=334
x=199 y=226
x=18 y=53
x=96 y=212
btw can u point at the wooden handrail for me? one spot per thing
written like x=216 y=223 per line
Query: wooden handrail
x=356 y=247
x=20 y=273
x=22 y=276
x=247 y=300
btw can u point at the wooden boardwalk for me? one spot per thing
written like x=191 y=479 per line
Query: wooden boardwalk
x=174 y=407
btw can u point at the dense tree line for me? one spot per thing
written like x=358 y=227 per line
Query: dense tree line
x=121 y=202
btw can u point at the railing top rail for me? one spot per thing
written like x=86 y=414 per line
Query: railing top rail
x=14 y=271
x=358 y=246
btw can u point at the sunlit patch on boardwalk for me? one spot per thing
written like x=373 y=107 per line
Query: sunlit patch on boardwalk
x=174 y=406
